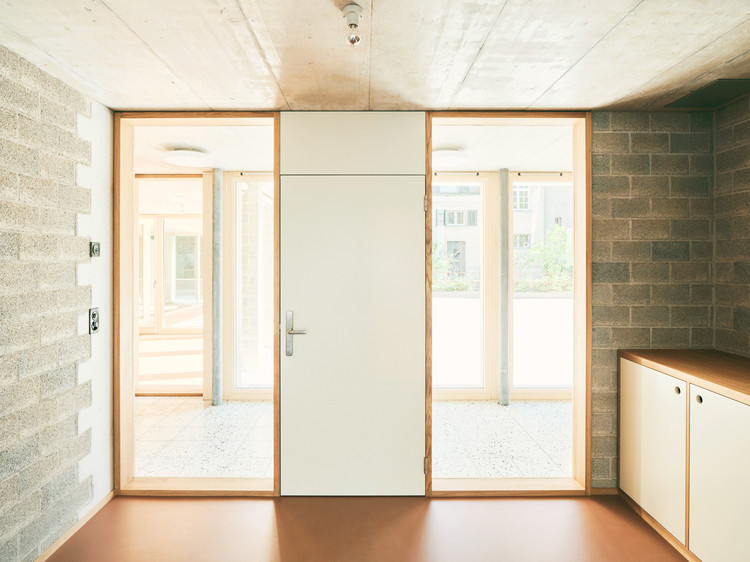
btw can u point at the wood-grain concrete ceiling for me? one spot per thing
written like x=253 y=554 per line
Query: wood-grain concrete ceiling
x=414 y=54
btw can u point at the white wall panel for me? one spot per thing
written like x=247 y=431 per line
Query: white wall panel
x=98 y=273
x=352 y=143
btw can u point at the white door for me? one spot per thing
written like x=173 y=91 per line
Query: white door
x=719 y=486
x=653 y=410
x=353 y=388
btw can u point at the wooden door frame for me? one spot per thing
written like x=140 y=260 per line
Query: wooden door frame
x=123 y=318
x=125 y=321
x=580 y=484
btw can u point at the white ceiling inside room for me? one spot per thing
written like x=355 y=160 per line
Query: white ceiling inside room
x=170 y=196
x=414 y=54
x=233 y=148
x=483 y=147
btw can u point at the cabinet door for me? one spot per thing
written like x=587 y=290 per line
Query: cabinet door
x=353 y=142
x=719 y=483
x=653 y=422
x=631 y=421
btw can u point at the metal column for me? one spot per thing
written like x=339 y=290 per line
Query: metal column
x=216 y=387
x=504 y=300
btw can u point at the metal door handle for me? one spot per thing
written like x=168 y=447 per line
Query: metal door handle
x=291 y=332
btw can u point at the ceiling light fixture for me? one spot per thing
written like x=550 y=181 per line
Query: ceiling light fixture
x=189 y=158
x=448 y=156
x=352 y=15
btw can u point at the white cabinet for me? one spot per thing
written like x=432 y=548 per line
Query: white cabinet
x=668 y=397
x=719 y=477
x=353 y=143
x=653 y=443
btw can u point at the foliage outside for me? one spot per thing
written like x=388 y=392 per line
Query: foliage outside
x=543 y=268
x=445 y=278
x=547 y=267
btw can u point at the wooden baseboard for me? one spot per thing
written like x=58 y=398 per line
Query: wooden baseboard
x=80 y=523
x=605 y=492
x=656 y=526
x=192 y=487
x=167 y=393
x=505 y=487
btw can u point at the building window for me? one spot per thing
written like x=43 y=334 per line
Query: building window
x=455 y=189
x=522 y=240
x=520 y=198
x=455 y=218
x=461 y=217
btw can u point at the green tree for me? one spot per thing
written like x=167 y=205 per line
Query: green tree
x=546 y=267
x=444 y=279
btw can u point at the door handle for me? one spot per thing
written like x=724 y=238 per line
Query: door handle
x=291 y=332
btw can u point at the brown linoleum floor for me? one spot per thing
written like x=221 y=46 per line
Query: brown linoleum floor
x=365 y=529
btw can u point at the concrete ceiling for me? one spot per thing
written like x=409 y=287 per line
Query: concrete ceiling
x=414 y=54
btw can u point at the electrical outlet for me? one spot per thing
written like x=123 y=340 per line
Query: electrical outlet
x=95 y=249
x=93 y=320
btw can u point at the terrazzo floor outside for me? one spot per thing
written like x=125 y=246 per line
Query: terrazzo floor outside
x=183 y=436
x=481 y=439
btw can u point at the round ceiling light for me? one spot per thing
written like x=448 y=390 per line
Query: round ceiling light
x=189 y=158
x=442 y=157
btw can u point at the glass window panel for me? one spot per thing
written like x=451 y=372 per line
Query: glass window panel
x=170 y=196
x=182 y=280
x=170 y=285
x=146 y=272
x=456 y=287
x=543 y=286
x=254 y=263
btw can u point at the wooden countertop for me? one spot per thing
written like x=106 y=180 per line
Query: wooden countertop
x=717 y=371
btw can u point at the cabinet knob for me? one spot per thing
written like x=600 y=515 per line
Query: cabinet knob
x=699 y=399
x=677 y=390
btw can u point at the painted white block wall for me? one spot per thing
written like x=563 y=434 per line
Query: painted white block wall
x=98 y=273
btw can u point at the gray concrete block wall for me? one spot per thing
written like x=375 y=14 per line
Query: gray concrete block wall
x=732 y=260
x=40 y=305
x=652 y=250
